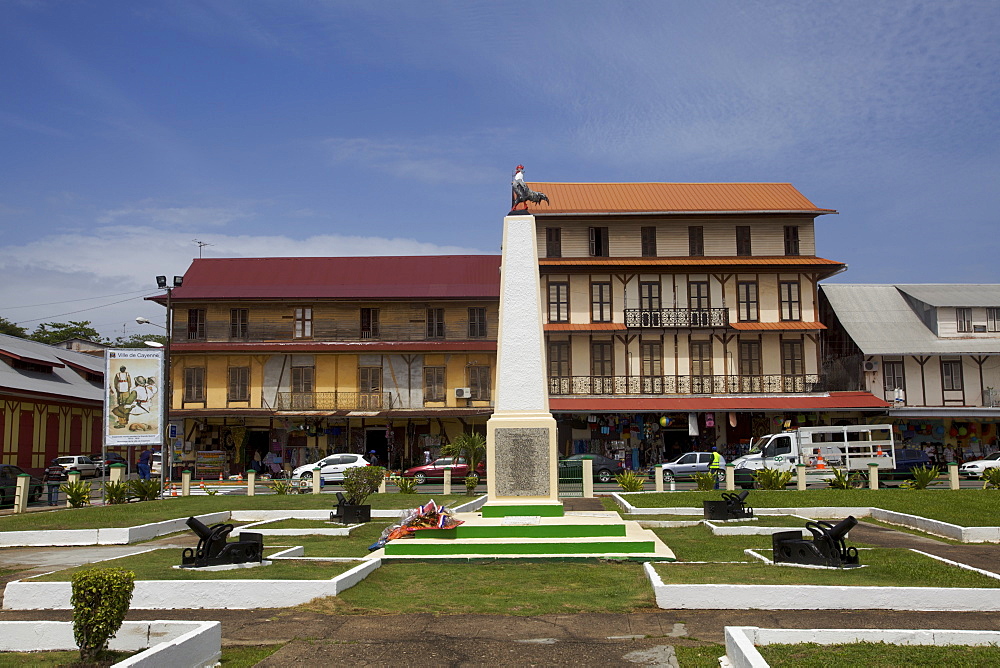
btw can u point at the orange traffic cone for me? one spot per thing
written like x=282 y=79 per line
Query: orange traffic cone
x=820 y=464
x=220 y=476
x=239 y=477
x=880 y=453
x=173 y=490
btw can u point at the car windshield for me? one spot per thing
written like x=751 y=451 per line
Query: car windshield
x=65 y=460
x=994 y=456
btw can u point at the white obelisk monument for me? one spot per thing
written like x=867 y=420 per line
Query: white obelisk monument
x=521 y=454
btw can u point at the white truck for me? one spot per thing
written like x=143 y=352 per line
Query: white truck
x=851 y=447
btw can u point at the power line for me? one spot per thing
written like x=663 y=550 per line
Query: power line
x=70 y=301
x=92 y=308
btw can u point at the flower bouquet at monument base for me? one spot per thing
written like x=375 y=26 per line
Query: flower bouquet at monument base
x=428 y=516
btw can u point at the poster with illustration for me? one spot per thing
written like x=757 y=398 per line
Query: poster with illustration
x=133 y=401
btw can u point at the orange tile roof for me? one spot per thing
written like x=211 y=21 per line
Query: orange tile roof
x=584 y=327
x=689 y=261
x=781 y=326
x=671 y=198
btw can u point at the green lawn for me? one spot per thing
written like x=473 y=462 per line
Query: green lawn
x=132 y=514
x=884 y=567
x=53 y=659
x=877 y=655
x=965 y=507
x=505 y=587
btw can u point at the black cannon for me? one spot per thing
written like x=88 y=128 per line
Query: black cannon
x=826 y=548
x=730 y=508
x=338 y=513
x=346 y=513
x=213 y=550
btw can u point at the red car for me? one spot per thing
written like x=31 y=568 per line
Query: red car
x=435 y=470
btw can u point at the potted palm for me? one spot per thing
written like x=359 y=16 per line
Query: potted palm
x=473 y=448
x=359 y=483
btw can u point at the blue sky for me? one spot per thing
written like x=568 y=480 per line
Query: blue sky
x=285 y=127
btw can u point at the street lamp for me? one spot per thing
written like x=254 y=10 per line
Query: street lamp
x=168 y=385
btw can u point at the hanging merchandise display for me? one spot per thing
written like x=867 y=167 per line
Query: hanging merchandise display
x=693 y=424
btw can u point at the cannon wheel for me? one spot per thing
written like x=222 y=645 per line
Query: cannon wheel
x=668 y=476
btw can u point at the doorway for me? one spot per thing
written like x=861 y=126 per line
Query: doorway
x=375 y=440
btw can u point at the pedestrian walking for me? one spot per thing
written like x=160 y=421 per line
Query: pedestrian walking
x=143 y=464
x=53 y=477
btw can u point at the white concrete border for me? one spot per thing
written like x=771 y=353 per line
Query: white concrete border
x=818 y=597
x=110 y=536
x=166 y=643
x=742 y=641
x=195 y=594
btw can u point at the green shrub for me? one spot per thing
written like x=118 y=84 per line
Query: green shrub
x=772 y=478
x=991 y=478
x=923 y=477
x=282 y=487
x=116 y=492
x=705 y=481
x=145 y=490
x=77 y=493
x=843 y=479
x=405 y=485
x=361 y=482
x=630 y=481
x=100 y=600
x=471 y=482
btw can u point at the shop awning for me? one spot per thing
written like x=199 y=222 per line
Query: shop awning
x=416 y=413
x=961 y=412
x=834 y=401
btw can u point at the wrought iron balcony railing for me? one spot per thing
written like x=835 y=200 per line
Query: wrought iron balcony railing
x=331 y=401
x=639 y=385
x=677 y=317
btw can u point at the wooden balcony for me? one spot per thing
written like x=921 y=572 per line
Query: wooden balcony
x=646 y=385
x=333 y=401
x=686 y=318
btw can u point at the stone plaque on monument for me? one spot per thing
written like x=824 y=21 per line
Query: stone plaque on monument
x=522 y=461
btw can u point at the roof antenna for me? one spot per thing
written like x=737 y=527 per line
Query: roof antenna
x=201 y=244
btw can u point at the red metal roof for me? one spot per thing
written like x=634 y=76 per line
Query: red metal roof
x=583 y=326
x=671 y=198
x=832 y=401
x=374 y=278
x=331 y=346
x=786 y=326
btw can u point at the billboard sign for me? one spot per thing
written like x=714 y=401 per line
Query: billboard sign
x=133 y=397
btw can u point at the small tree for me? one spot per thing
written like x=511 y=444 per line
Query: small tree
x=470 y=446
x=54 y=332
x=12 y=328
x=101 y=598
x=361 y=482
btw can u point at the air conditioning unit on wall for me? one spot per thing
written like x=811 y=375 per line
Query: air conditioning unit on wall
x=463 y=393
x=870 y=366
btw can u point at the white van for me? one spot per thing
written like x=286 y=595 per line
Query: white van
x=850 y=447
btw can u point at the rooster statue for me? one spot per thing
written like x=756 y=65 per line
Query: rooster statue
x=521 y=193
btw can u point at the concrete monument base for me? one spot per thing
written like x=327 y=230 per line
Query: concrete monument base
x=524 y=477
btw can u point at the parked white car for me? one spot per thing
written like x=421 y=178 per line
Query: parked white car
x=85 y=465
x=975 y=469
x=332 y=467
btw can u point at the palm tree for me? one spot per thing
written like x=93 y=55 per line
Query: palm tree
x=473 y=448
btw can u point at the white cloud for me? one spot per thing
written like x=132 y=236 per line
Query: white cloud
x=432 y=160
x=187 y=217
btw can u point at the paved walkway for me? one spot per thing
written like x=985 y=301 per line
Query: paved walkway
x=985 y=556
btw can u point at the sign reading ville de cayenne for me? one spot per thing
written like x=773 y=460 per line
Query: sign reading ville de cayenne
x=133 y=403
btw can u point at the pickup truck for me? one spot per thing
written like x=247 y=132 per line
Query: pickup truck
x=850 y=447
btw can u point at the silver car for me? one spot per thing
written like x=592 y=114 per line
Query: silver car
x=690 y=463
x=87 y=467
